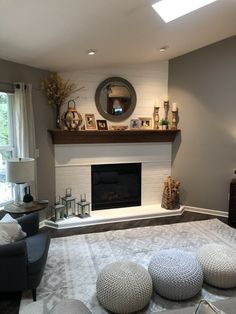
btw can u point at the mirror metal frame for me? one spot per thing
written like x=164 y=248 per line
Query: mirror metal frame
x=133 y=96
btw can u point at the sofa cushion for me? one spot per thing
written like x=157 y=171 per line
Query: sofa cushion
x=10 y=230
x=37 y=248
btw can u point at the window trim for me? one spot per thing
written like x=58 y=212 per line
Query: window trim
x=10 y=147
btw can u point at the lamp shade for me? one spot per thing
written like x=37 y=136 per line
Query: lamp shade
x=20 y=170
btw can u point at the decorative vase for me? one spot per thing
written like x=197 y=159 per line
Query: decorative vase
x=28 y=198
x=58 y=119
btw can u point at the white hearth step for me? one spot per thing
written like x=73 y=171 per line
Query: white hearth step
x=115 y=215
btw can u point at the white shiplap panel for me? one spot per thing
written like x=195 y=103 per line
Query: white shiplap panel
x=73 y=166
x=77 y=177
x=83 y=154
x=149 y=80
x=73 y=162
x=153 y=176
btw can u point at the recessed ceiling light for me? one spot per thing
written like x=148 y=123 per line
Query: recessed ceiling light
x=163 y=49
x=170 y=10
x=91 y=52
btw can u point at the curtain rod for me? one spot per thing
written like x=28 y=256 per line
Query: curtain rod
x=16 y=85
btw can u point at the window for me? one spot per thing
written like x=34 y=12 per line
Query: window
x=6 y=145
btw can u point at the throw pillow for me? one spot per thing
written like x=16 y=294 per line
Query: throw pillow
x=10 y=230
x=205 y=307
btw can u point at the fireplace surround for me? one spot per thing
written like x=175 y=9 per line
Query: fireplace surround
x=116 y=185
x=73 y=164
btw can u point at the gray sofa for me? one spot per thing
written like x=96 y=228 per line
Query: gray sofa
x=22 y=262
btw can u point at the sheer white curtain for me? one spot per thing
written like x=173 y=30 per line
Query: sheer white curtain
x=24 y=129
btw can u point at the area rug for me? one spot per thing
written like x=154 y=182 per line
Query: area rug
x=74 y=262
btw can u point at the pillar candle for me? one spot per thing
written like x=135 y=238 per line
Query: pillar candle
x=174 y=107
x=166 y=98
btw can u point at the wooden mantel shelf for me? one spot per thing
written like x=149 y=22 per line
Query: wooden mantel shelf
x=129 y=136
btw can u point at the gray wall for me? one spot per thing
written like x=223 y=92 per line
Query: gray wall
x=203 y=83
x=44 y=119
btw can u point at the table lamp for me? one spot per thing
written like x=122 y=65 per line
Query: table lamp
x=20 y=171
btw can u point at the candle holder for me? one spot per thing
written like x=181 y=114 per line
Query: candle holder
x=174 y=120
x=83 y=208
x=69 y=203
x=68 y=192
x=83 y=197
x=156 y=117
x=166 y=109
x=58 y=212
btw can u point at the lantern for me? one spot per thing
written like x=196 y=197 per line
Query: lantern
x=72 y=118
x=58 y=212
x=83 y=209
x=69 y=202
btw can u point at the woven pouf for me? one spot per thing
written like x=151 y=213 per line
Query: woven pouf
x=218 y=264
x=124 y=287
x=176 y=275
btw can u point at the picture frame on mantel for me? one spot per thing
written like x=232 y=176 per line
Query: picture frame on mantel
x=134 y=124
x=145 y=123
x=102 y=125
x=90 y=121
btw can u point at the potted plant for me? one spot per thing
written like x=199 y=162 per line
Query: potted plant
x=164 y=124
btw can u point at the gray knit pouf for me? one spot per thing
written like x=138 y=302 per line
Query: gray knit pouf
x=218 y=264
x=176 y=275
x=124 y=287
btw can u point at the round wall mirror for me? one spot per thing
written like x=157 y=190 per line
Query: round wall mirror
x=115 y=99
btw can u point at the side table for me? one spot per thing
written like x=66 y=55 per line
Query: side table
x=20 y=210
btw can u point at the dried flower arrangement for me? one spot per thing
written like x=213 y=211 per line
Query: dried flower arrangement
x=58 y=91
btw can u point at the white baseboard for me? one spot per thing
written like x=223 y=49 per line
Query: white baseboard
x=206 y=211
x=116 y=215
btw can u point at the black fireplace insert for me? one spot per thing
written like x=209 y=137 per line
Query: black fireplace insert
x=116 y=185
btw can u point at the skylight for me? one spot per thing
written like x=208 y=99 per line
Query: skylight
x=170 y=10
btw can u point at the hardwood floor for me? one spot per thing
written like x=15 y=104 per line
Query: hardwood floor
x=9 y=302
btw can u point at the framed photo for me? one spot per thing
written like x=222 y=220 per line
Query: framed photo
x=102 y=124
x=90 y=121
x=134 y=124
x=145 y=123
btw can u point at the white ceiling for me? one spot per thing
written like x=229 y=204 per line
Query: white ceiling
x=55 y=34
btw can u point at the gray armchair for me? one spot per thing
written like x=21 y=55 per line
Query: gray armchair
x=22 y=262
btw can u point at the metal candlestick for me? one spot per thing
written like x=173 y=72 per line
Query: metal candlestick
x=166 y=109
x=156 y=117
